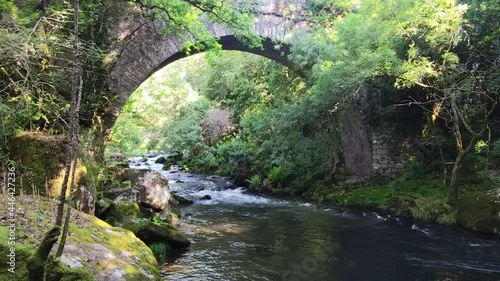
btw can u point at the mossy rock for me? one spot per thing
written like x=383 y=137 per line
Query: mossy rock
x=40 y=158
x=94 y=249
x=171 y=215
x=481 y=211
x=151 y=232
x=102 y=207
x=123 y=212
x=56 y=271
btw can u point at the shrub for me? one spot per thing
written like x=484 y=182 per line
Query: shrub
x=277 y=174
x=255 y=180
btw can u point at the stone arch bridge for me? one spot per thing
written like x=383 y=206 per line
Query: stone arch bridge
x=139 y=51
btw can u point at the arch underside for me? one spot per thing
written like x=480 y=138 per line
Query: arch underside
x=269 y=50
x=131 y=72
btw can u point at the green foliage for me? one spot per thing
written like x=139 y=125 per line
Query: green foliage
x=159 y=250
x=255 y=180
x=7 y=6
x=35 y=63
x=495 y=151
x=448 y=218
x=187 y=19
x=276 y=174
x=424 y=199
x=285 y=126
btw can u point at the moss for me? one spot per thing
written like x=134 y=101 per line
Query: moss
x=123 y=212
x=95 y=244
x=39 y=157
x=57 y=271
x=22 y=252
x=480 y=211
x=420 y=198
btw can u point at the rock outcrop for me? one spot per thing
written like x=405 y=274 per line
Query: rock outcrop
x=143 y=204
x=41 y=157
x=94 y=249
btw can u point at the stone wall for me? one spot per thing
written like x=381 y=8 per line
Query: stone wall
x=355 y=141
x=389 y=155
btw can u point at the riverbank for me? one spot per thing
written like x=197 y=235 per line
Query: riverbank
x=424 y=199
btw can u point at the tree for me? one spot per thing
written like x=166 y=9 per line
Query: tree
x=189 y=17
x=37 y=262
x=460 y=80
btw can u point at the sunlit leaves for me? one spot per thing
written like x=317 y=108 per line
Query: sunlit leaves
x=188 y=20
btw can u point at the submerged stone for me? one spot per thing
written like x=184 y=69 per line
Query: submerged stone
x=206 y=197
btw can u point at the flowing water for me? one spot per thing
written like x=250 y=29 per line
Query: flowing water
x=242 y=236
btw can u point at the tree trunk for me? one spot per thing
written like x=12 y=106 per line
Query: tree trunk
x=36 y=263
x=453 y=195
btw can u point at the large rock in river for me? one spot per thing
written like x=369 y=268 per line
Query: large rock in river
x=94 y=249
x=481 y=211
x=149 y=188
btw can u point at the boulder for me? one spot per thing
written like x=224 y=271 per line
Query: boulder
x=43 y=157
x=206 y=197
x=150 y=232
x=179 y=200
x=153 y=190
x=149 y=188
x=123 y=212
x=94 y=250
x=481 y=211
x=160 y=160
x=102 y=208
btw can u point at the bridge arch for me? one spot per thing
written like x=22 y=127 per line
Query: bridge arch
x=139 y=50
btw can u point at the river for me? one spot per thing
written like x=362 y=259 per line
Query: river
x=242 y=236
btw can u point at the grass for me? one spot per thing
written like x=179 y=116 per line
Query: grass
x=424 y=199
x=159 y=251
